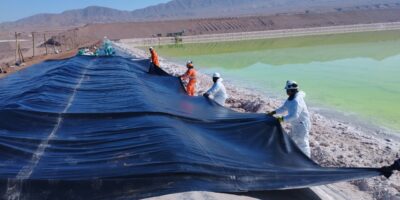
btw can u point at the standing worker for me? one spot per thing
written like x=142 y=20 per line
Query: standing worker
x=191 y=75
x=154 y=57
x=298 y=116
x=218 y=90
x=107 y=47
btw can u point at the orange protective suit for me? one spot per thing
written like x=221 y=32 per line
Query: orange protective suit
x=191 y=75
x=154 y=58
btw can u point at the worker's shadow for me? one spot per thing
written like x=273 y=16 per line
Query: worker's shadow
x=298 y=194
x=157 y=70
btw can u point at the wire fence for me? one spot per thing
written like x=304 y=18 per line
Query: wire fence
x=28 y=45
x=263 y=34
x=20 y=48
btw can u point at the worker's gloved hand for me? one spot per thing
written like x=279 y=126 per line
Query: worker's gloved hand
x=280 y=119
x=271 y=113
x=386 y=171
x=206 y=95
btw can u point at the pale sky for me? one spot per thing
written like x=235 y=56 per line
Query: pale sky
x=11 y=10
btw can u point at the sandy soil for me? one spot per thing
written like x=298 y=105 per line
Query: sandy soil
x=69 y=43
x=237 y=24
x=7 y=60
x=334 y=142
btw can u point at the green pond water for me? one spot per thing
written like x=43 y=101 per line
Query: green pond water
x=355 y=73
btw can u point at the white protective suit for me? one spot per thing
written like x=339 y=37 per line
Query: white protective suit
x=218 y=92
x=299 y=118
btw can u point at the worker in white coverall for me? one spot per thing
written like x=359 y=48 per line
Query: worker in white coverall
x=297 y=115
x=217 y=91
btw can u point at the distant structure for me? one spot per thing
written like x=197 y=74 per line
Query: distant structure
x=173 y=34
x=176 y=34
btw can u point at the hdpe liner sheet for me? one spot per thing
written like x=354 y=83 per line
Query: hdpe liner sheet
x=110 y=127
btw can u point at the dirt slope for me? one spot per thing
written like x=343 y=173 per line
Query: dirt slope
x=237 y=24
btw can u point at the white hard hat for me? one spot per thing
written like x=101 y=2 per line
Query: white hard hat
x=151 y=48
x=291 y=85
x=189 y=63
x=216 y=75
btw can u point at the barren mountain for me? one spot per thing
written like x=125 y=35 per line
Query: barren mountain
x=93 y=14
x=184 y=9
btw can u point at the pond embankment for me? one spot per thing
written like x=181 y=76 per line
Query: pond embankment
x=334 y=142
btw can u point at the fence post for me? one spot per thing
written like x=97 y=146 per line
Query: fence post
x=33 y=44
x=45 y=42
x=16 y=48
x=20 y=53
x=54 y=47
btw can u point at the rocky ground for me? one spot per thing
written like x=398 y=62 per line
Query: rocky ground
x=334 y=142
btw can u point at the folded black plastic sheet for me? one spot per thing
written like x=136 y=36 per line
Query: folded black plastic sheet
x=106 y=128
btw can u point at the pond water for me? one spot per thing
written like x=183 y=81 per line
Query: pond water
x=354 y=73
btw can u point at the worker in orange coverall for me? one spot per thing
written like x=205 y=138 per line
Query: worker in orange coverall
x=191 y=75
x=154 y=57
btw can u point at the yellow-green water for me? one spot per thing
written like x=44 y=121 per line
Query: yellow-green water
x=355 y=73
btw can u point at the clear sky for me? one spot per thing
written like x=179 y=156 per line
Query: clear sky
x=11 y=10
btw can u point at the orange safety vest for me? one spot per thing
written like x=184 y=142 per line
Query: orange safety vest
x=191 y=75
x=154 y=58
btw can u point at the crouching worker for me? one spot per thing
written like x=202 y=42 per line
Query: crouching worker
x=297 y=115
x=107 y=47
x=217 y=91
x=154 y=57
x=191 y=76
